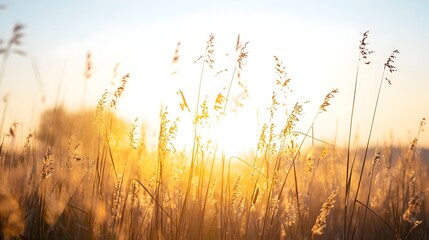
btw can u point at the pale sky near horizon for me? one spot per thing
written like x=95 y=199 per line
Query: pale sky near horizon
x=317 y=41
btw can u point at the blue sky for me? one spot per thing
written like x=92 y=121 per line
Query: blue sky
x=76 y=19
x=316 y=39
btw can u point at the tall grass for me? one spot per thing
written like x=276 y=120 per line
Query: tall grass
x=364 y=54
x=91 y=175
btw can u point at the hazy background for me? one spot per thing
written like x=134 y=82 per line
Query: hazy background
x=318 y=42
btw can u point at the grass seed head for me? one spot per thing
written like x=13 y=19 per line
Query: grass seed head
x=48 y=166
x=88 y=66
x=176 y=55
x=321 y=220
x=117 y=199
x=389 y=63
x=14 y=41
x=328 y=97
x=414 y=208
x=119 y=91
x=132 y=135
x=363 y=48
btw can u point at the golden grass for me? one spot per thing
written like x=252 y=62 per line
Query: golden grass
x=90 y=175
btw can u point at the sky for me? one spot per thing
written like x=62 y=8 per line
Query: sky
x=317 y=41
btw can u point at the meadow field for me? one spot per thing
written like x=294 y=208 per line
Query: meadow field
x=90 y=174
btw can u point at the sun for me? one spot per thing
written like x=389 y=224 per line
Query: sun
x=237 y=134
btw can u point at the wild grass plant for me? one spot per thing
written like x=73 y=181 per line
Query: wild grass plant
x=91 y=175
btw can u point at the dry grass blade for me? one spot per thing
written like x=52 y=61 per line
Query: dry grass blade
x=156 y=201
x=183 y=104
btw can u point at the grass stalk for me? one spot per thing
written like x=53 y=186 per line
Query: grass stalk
x=363 y=55
x=387 y=66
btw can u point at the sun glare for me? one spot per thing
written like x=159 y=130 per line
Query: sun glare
x=174 y=84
